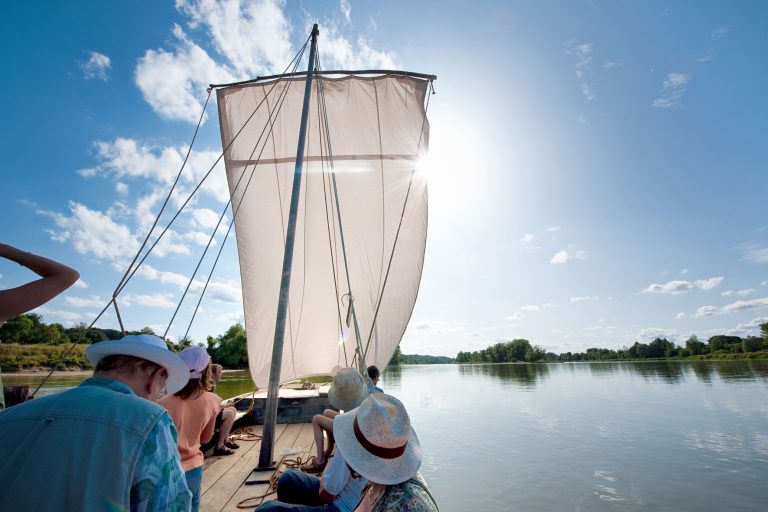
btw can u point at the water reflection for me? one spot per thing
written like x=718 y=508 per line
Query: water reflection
x=521 y=374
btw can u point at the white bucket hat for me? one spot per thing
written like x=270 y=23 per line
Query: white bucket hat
x=348 y=389
x=197 y=360
x=144 y=346
x=377 y=440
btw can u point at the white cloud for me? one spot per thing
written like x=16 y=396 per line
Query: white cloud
x=48 y=314
x=739 y=305
x=553 y=229
x=719 y=32
x=708 y=284
x=755 y=322
x=198 y=237
x=205 y=217
x=560 y=258
x=675 y=287
x=96 y=67
x=582 y=299
x=527 y=238
x=753 y=253
x=514 y=317
x=338 y=52
x=157 y=300
x=740 y=293
x=87 y=173
x=174 y=83
x=530 y=307
x=708 y=57
x=583 y=53
x=346 y=10
x=254 y=36
x=764 y=283
x=121 y=188
x=680 y=316
x=651 y=333
x=92 y=301
x=80 y=283
x=684 y=271
x=672 y=91
x=223 y=291
x=93 y=233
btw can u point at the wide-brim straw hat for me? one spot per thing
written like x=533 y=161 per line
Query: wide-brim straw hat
x=144 y=346
x=349 y=389
x=377 y=440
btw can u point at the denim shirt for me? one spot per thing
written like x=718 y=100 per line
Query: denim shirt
x=94 y=447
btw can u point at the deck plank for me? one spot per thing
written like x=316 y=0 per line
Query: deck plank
x=223 y=477
x=296 y=438
x=215 y=467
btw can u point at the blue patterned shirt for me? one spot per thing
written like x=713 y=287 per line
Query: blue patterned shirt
x=158 y=480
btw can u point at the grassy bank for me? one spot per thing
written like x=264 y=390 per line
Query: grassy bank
x=15 y=357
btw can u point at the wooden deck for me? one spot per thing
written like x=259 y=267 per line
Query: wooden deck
x=224 y=477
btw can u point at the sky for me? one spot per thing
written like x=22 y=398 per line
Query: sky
x=599 y=168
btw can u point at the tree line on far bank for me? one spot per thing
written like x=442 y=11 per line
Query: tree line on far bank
x=717 y=346
x=26 y=341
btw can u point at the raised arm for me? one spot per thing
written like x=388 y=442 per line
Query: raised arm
x=55 y=279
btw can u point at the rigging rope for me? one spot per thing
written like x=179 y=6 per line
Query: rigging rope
x=126 y=277
x=278 y=107
x=326 y=127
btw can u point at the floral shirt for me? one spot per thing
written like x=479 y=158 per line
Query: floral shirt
x=409 y=496
x=158 y=480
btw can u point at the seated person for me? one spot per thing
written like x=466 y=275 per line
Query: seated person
x=378 y=443
x=348 y=390
x=225 y=419
x=373 y=374
x=194 y=413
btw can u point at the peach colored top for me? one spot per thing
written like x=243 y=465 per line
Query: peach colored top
x=191 y=416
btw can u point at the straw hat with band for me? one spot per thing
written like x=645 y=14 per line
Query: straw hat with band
x=144 y=346
x=349 y=389
x=377 y=440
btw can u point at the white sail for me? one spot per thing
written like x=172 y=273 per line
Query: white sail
x=377 y=131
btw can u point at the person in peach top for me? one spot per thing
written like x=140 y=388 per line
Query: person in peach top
x=194 y=412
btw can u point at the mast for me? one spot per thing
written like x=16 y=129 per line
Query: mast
x=270 y=411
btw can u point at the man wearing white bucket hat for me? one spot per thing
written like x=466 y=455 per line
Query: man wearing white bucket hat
x=104 y=445
x=348 y=391
x=339 y=488
x=377 y=441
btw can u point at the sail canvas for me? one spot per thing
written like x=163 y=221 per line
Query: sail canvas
x=376 y=130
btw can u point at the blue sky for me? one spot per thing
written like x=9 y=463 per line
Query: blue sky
x=598 y=168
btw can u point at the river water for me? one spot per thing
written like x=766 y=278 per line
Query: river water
x=657 y=436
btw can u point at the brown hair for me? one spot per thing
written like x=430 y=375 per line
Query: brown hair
x=127 y=364
x=196 y=387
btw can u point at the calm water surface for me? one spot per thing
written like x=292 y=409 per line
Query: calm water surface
x=582 y=437
x=591 y=436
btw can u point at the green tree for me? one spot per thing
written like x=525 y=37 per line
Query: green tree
x=19 y=328
x=395 y=360
x=752 y=344
x=232 y=348
x=694 y=346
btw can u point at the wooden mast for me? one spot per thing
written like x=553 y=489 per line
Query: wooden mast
x=270 y=411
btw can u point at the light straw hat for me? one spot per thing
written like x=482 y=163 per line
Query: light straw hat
x=197 y=360
x=349 y=389
x=377 y=440
x=144 y=346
